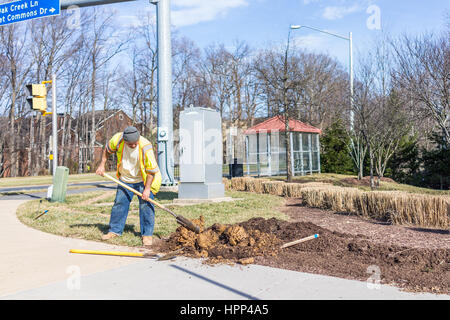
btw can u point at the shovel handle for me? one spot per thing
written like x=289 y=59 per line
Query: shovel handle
x=138 y=193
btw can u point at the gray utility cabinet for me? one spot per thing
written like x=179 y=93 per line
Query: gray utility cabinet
x=200 y=154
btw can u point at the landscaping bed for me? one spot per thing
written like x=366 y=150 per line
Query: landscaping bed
x=252 y=230
x=397 y=207
x=333 y=253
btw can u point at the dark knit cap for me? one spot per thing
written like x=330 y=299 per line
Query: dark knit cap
x=131 y=134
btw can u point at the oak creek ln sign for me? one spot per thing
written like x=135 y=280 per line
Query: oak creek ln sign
x=22 y=10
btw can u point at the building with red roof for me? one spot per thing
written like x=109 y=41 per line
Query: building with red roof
x=265 y=147
x=277 y=123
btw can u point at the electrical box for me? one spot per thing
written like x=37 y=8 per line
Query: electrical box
x=60 y=184
x=201 y=155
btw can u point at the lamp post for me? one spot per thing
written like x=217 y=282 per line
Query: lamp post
x=350 y=40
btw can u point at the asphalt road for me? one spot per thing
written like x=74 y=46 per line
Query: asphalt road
x=20 y=193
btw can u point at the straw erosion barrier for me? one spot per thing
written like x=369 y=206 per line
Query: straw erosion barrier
x=396 y=207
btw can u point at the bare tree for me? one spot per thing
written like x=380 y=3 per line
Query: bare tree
x=103 y=43
x=424 y=71
x=216 y=75
x=367 y=123
x=14 y=49
x=277 y=71
x=52 y=45
x=186 y=77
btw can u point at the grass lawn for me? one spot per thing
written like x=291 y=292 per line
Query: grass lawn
x=38 y=180
x=338 y=180
x=86 y=216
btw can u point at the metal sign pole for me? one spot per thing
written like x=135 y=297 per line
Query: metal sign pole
x=54 y=126
x=165 y=110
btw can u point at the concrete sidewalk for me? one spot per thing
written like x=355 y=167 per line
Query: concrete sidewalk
x=189 y=279
x=31 y=258
x=36 y=265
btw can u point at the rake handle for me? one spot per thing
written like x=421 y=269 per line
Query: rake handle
x=289 y=244
x=139 y=194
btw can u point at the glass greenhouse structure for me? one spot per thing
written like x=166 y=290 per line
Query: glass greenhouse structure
x=265 y=148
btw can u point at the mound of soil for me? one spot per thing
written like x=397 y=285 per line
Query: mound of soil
x=337 y=254
x=223 y=243
x=365 y=181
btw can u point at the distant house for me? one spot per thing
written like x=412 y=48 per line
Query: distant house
x=108 y=122
x=75 y=152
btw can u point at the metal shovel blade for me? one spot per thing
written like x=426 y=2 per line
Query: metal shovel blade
x=188 y=224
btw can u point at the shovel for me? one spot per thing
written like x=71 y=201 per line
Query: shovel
x=180 y=219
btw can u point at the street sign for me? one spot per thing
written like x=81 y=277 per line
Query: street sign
x=16 y=11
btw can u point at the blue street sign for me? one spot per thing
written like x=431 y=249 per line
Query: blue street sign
x=22 y=10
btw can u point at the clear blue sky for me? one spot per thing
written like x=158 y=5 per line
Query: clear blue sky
x=266 y=22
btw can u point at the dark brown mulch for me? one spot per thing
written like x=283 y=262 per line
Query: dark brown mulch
x=376 y=231
x=355 y=256
x=415 y=259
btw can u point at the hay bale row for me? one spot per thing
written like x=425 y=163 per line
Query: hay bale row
x=247 y=184
x=227 y=184
x=294 y=190
x=406 y=208
x=255 y=185
x=395 y=207
x=238 y=184
x=274 y=187
x=261 y=185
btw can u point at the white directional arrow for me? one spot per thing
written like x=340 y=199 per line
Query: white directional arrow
x=52 y=10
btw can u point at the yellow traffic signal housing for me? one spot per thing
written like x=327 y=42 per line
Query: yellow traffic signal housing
x=38 y=99
x=39 y=104
x=37 y=90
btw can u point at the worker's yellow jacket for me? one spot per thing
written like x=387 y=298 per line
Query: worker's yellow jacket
x=147 y=159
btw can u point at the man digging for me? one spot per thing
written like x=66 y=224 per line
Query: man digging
x=137 y=168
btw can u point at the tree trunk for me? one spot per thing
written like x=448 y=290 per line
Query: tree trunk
x=12 y=133
x=372 y=182
x=64 y=144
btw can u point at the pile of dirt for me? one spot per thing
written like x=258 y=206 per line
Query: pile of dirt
x=223 y=243
x=365 y=181
x=337 y=254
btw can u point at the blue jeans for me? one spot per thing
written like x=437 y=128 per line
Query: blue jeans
x=121 y=206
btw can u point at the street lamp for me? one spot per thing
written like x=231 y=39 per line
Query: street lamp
x=349 y=39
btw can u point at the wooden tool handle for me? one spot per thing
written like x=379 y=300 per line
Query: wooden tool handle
x=138 y=193
x=299 y=241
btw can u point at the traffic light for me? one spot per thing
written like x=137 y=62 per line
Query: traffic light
x=37 y=97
